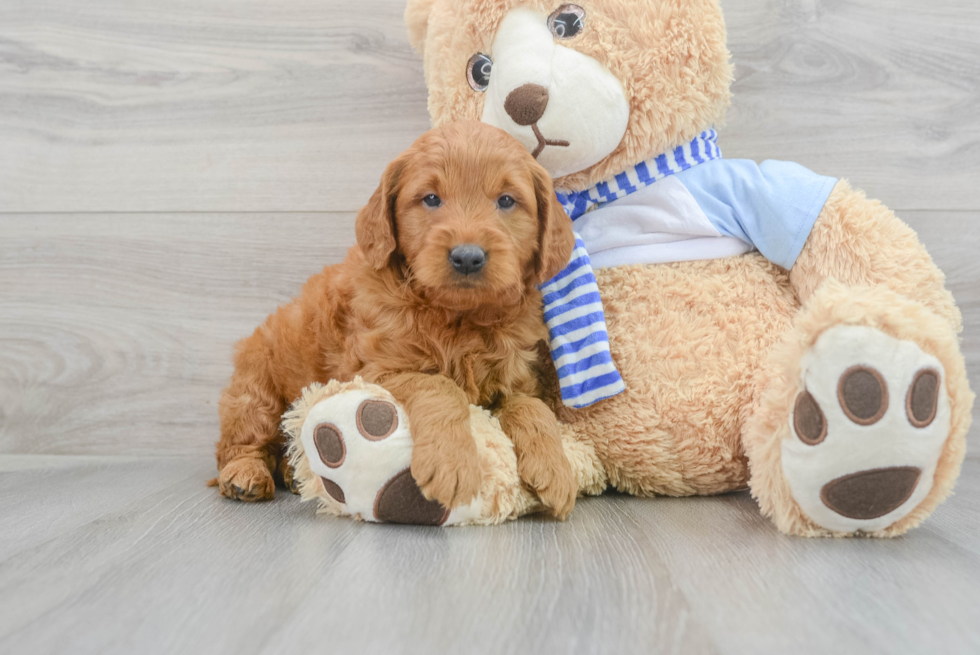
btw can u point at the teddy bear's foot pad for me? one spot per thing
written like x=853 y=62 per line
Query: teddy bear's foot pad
x=869 y=427
x=869 y=494
x=401 y=501
x=359 y=447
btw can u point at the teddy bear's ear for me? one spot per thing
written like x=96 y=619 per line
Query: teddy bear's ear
x=417 y=19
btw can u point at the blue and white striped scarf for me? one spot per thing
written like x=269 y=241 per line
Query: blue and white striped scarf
x=572 y=306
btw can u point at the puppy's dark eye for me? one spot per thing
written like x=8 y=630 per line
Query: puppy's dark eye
x=478 y=72
x=432 y=200
x=567 y=22
x=506 y=202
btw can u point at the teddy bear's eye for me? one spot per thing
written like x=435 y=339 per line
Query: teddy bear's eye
x=478 y=72
x=567 y=22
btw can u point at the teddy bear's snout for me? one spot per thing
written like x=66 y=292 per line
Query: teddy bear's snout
x=527 y=104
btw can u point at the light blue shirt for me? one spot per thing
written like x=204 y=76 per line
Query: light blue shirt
x=771 y=206
x=720 y=208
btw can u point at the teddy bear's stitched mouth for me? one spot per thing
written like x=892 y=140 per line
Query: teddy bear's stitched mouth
x=543 y=142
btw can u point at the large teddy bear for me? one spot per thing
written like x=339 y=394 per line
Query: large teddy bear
x=773 y=329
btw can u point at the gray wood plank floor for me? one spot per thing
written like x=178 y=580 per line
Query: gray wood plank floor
x=296 y=105
x=146 y=559
x=171 y=171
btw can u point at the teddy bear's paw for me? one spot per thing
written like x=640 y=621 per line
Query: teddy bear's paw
x=359 y=447
x=868 y=428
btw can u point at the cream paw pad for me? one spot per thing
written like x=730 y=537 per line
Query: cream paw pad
x=869 y=428
x=350 y=446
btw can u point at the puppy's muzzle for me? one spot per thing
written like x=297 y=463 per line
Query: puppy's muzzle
x=468 y=259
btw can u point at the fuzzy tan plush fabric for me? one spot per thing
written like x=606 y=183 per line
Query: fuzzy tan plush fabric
x=670 y=56
x=718 y=355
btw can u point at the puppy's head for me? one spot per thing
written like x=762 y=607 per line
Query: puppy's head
x=469 y=216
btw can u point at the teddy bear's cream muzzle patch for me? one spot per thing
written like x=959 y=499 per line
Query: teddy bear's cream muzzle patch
x=559 y=103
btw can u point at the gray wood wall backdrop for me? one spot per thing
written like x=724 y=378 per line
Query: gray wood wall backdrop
x=171 y=170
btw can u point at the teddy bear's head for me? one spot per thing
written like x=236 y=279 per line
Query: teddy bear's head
x=591 y=88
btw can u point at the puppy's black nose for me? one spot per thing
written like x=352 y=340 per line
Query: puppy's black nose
x=468 y=259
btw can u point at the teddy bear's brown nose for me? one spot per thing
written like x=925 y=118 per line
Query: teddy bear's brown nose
x=526 y=104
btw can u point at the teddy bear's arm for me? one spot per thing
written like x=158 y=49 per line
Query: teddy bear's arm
x=861 y=242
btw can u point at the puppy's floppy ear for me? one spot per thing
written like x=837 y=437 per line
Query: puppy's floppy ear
x=376 y=230
x=556 y=241
x=417 y=14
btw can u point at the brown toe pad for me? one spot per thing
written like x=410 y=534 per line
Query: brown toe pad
x=809 y=420
x=330 y=444
x=923 y=398
x=334 y=490
x=863 y=395
x=377 y=419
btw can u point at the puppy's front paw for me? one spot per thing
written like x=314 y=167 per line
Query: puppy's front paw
x=286 y=474
x=246 y=479
x=447 y=474
x=554 y=482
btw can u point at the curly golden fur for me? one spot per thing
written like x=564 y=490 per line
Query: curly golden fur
x=397 y=313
